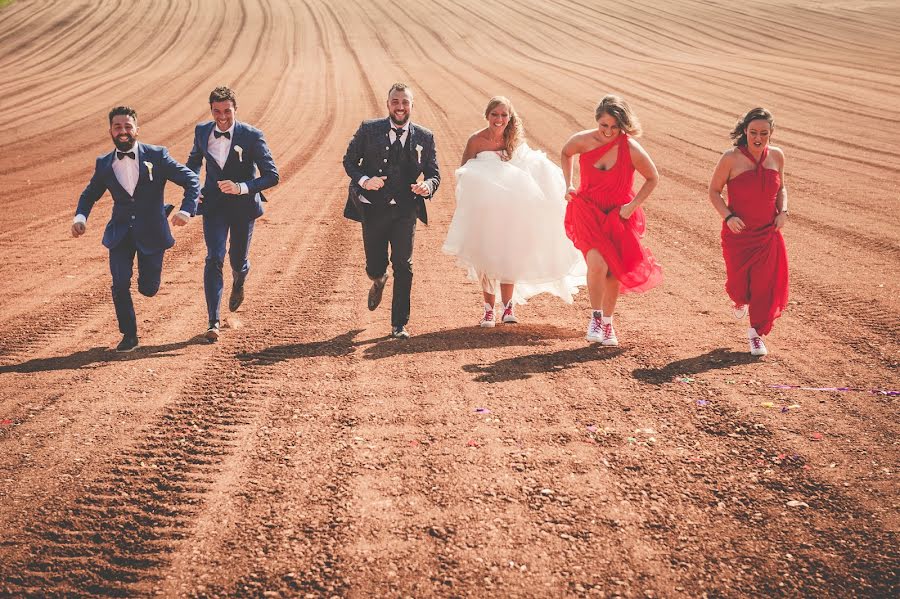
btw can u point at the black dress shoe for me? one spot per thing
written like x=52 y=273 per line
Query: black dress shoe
x=237 y=297
x=376 y=291
x=127 y=344
x=212 y=333
x=399 y=333
x=169 y=208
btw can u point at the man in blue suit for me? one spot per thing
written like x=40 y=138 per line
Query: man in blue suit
x=135 y=175
x=231 y=199
x=385 y=159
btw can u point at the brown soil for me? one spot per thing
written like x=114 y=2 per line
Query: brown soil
x=308 y=455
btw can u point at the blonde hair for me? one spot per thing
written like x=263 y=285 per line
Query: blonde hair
x=514 y=133
x=619 y=109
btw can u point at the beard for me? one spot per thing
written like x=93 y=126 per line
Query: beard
x=400 y=123
x=123 y=146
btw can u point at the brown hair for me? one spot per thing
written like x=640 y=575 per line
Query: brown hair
x=739 y=135
x=400 y=87
x=124 y=111
x=514 y=133
x=223 y=94
x=619 y=109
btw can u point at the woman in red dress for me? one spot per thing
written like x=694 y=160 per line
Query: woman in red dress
x=755 y=258
x=604 y=218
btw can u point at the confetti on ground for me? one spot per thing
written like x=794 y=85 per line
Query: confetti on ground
x=472 y=443
x=685 y=379
x=702 y=402
x=816 y=436
x=592 y=428
x=767 y=404
x=842 y=389
x=631 y=440
x=6 y=422
x=482 y=411
x=795 y=503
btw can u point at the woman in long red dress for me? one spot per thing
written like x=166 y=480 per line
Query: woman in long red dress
x=604 y=218
x=755 y=257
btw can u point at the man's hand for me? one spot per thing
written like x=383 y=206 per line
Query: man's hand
x=420 y=189
x=374 y=183
x=78 y=229
x=229 y=187
x=180 y=220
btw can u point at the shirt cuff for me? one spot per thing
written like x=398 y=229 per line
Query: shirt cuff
x=184 y=213
x=79 y=218
x=363 y=181
x=244 y=189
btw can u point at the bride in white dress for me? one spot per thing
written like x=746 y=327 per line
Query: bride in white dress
x=508 y=223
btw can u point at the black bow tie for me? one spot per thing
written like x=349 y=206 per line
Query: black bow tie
x=398 y=131
x=121 y=155
x=219 y=134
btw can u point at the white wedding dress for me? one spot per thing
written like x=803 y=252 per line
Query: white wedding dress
x=508 y=225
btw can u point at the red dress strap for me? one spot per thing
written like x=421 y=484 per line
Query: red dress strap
x=757 y=163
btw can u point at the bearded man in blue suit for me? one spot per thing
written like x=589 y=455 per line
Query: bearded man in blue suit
x=135 y=175
x=231 y=199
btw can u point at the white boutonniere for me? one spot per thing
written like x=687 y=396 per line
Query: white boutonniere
x=149 y=166
x=240 y=153
x=419 y=152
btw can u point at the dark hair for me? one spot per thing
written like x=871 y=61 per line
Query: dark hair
x=122 y=110
x=222 y=94
x=619 y=109
x=739 y=135
x=399 y=87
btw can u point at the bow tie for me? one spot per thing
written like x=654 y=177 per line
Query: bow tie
x=121 y=155
x=219 y=134
x=398 y=131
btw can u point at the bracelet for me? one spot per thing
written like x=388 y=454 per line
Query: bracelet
x=730 y=216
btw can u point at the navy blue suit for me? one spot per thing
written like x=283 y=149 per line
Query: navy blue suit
x=226 y=213
x=389 y=217
x=138 y=225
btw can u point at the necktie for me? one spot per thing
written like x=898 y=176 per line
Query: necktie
x=219 y=134
x=397 y=146
x=121 y=155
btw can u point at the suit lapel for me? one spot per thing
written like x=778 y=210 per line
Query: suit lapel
x=205 y=132
x=237 y=139
x=111 y=174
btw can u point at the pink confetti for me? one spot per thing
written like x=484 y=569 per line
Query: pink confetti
x=816 y=436
x=482 y=411
x=6 y=422
x=472 y=443
x=592 y=428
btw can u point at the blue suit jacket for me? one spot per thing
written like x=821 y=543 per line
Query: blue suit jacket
x=367 y=154
x=240 y=167
x=144 y=212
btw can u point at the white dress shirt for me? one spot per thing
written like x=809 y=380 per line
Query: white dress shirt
x=220 y=147
x=404 y=137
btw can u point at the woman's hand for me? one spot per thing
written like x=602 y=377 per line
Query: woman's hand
x=735 y=224
x=627 y=210
x=570 y=193
x=780 y=219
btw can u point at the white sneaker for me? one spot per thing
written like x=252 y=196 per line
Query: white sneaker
x=595 y=330
x=757 y=347
x=739 y=311
x=508 y=315
x=487 y=321
x=609 y=334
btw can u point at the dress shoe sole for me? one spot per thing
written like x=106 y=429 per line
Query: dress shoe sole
x=236 y=299
x=126 y=350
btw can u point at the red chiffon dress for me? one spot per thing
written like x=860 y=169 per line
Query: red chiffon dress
x=593 y=221
x=756 y=263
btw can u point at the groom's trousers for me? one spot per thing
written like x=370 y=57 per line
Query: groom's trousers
x=383 y=226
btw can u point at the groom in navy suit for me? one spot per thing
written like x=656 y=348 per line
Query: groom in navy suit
x=231 y=199
x=384 y=161
x=135 y=175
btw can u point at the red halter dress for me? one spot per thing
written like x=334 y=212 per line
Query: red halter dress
x=593 y=221
x=756 y=263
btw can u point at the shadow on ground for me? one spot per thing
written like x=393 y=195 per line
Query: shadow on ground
x=713 y=360
x=99 y=356
x=524 y=367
